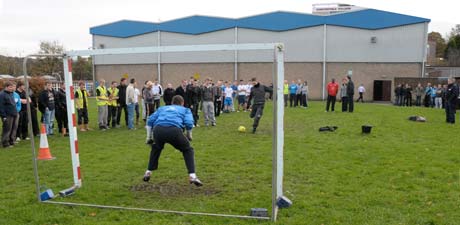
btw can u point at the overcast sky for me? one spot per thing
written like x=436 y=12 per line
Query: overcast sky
x=24 y=23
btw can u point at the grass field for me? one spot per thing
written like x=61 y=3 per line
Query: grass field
x=402 y=173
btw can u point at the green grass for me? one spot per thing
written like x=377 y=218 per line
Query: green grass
x=402 y=173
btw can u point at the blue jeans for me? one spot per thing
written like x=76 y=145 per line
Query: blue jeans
x=130 y=116
x=49 y=121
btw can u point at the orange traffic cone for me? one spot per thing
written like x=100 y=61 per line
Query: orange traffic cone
x=44 y=151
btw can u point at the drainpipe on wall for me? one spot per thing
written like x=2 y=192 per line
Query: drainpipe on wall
x=159 y=57
x=424 y=52
x=93 y=61
x=324 y=60
x=236 y=55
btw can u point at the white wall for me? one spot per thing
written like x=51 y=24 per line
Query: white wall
x=302 y=45
x=218 y=37
x=397 y=44
x=150 y=39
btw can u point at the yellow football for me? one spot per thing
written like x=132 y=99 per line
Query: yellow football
x=242 y=129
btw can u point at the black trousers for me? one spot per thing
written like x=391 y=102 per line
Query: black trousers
x=175 y=137
x=344 y=104
x=112 y=115
x=304 y=100
x=23 y=125
x=360 y=97
x=450 y=112
x=7 y=130
x=350 y=104
x=194 y=110
x=256 y=113
x=285 y=99
x=82 y=116
x=124 y=108
x=298 y=100
x=292 y=99
x=61 y=117
x=156 y=104
x=330 y=102
x=217 y=106
x=35 y=127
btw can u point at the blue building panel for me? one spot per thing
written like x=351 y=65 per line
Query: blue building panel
x=371 y=19
x=280 y=21
x=124 y=29
x=197 y=25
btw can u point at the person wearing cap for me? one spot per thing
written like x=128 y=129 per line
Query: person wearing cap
x=168 y=123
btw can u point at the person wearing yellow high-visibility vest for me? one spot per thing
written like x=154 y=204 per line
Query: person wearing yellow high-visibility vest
x=81 y=103
x=112 y=91
x=102 y=102
x=286 y=92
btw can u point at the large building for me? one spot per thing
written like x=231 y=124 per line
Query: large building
x=373 y=45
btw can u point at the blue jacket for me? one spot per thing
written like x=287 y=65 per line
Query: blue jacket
x=7 y=104
x=172 y=115
x=292 y=89
x=17 y=100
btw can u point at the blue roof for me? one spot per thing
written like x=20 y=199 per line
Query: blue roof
x=124 y=28
x=371 y=19
x=197 y=25
x=280 y=21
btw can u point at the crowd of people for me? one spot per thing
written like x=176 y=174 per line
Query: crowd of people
x=212 y=98
x=440 y=96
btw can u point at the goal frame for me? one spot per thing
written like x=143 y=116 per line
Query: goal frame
x=278 y=115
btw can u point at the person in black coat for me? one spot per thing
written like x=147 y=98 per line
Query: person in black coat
x=452 y=93
x=61 y=110
x=122 y=101
x=168 y=94
x=350 y=93
x=192 y=96
x=258 y=96
x=181 y=91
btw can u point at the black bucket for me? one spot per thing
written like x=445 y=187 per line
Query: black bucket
x=366 y=129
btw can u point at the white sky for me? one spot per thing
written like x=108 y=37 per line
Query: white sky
x=24 y=23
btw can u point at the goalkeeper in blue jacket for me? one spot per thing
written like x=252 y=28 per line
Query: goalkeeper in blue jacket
x=168 y=123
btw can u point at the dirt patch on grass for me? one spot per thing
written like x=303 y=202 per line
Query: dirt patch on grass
x=172 y=189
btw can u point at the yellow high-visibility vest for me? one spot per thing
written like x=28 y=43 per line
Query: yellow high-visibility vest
x=102 y=98
x=79 y=98
x=113 y=93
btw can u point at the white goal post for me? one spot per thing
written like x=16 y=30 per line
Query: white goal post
x=278 y=113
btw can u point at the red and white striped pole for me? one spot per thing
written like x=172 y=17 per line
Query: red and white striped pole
x=70 y=93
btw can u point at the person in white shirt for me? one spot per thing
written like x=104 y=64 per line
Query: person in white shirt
x=361 y=91
x=228 y=100
x=130 y=103
x=242 y=90
x=137 y=95
x=157 y=91
x=248 y=91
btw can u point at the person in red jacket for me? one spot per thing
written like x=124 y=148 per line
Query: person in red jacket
x=332 y=89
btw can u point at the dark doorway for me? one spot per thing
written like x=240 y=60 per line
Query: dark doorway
x=382 y=90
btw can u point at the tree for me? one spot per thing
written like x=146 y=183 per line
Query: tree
x=452 y=52
x=440 y=43
x=50 y=65
x=82 y=68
